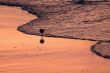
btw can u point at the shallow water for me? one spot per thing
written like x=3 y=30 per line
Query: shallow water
x=22 y=53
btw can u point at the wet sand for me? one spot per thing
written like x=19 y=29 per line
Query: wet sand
x=21 y=53
x=66 y=19
x=16 y=15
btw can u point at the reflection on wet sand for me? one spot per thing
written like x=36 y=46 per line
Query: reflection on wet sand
x=42 y=41
x=22 y=53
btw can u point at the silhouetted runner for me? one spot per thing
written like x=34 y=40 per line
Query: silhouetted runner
x=41 y=40
x=41 y=31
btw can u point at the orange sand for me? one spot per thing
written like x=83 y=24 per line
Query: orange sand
x=22 y=53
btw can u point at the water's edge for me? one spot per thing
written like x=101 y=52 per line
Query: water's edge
x=25 y=7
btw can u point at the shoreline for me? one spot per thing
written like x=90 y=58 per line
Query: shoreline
x=40 y=14
x=99 y=53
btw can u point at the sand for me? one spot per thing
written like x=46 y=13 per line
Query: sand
x=22 y=53
x=62 y=18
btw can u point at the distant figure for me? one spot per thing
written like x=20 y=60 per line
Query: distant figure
x=42 y=41
x=79 y=1
x=41 y=31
